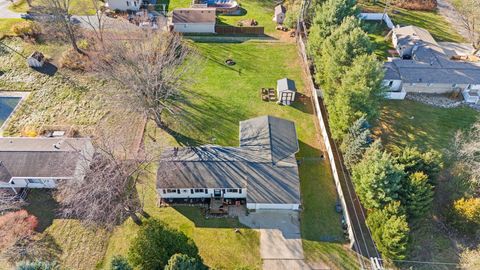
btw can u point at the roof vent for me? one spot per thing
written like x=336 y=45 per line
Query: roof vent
x=56 y=146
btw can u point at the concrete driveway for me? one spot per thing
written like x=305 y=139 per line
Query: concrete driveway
x=280 y=240
x=5 y=13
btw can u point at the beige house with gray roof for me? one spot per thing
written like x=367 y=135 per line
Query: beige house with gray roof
x=41 y=162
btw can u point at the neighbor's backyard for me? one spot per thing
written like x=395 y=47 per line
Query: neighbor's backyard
x=409 y=123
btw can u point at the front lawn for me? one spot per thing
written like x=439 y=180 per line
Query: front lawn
x=6 y=26
x=434 y=22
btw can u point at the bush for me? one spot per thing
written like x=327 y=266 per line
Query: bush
x=26 y=30
x=390 y=230
x=465 y=214
x=73 y=60
x=20 y=225
x=419 y=194
x=38 y=265
x=428 y=5
x=120 y=263
x=183 y=262
x=412 y=160
x=156 y=243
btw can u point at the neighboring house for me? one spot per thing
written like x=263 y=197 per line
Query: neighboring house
x=424 y=67
x=194 y=20
x=262 y=172
x=286 y=91
x=279 y=15
x=123 y=5
x=41 y=162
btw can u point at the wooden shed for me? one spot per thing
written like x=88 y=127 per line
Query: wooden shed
x=286 y=91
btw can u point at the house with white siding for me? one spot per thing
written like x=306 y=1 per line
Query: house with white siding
x=41 y=162
x=261 y=173
x=123 y=5
x=194 y=20
x=424 y=67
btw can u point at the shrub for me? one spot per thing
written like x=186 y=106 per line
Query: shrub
x=390 y=230
x=38 y=265
x=120 y=263
x=412 y=160
x=73 y=60
x=377 y=181
x=465 y=214
x=419 y=194
x=20 y=225
x=156 y=243
x=26 y=29
x=183 y=262
x=355 y=142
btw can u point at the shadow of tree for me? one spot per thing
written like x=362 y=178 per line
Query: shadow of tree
x=197 y=216
x=42 y=205
x=47 y=69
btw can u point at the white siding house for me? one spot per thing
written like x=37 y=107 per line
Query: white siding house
x=41 y=162
x=262 y=172
x=194 y=20
x=123 y=5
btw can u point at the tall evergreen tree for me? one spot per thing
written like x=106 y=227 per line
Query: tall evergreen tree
x=412 y=160
x=377 y=180
x=183 y=262
x=355 y=142
x=390 y=230
x=328 y=16
x=419 y=194
x=358 y=95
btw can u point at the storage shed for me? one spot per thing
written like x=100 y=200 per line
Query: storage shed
x=286 y=91
x=279 y=15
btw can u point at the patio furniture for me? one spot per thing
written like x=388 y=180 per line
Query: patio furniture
x=264 y=94
x=271 y=94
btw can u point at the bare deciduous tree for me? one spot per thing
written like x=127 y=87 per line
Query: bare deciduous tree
x=61 y=19
x=466 y=151
x=9 y=202
x=469 y=11
x=107 y=193
x=97 y=22
x=153 y=67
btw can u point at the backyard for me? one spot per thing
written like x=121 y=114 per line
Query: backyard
x=440 y=29
x=409 y=123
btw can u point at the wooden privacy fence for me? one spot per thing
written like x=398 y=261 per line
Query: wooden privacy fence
x=239 y=30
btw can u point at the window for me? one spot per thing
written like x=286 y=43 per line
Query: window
x=199 y=190
x=191 y=191
x=35 y=181
x=206 y=191
x=169 y=190
x=390 y=83
x=128 y=3
x=164 y=191
x=178 y=191
x=240 y=191
x=135 y=3
x=232 y=190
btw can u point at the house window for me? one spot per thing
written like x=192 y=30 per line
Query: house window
x=135 y=3
x=390 y=83
x=128 y=3
x=35 y=181
x=199 y=190
x=170 y=190
x=232 y=190
x=240 y=191
x=178 y=191
x=191 y=191
x=164 y=191
x=206 y=191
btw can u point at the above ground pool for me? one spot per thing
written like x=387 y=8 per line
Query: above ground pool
x=221 y=5
x=7 y=105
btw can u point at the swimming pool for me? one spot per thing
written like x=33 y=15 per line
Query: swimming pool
x=7 y=105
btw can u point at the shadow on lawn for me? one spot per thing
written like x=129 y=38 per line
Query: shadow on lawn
x=197 y=216
x=42 y=205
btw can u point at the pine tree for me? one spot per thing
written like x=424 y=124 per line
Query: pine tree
x=377 y=180
x=419 y=195
x=390 y=230
x=355 y=142
x=412 y=160
x=183 y=262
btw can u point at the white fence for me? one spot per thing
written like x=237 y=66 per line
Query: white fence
x=378 y=17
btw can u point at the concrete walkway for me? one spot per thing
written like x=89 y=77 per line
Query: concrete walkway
x=5 y=13
x=280 y=241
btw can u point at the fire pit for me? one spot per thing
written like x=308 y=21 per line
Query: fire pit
x=230 y=62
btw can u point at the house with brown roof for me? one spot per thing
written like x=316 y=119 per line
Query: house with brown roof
x=41 y=162
x=194 y=20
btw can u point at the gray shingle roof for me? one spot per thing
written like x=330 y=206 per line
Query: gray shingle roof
x=194 y=15
x=280 y=9
x=286 y=84
x=41 y=157
x=264 y=163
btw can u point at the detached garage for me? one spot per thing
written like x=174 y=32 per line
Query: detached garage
x=194 y=20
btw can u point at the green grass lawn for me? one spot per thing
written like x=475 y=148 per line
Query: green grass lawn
x=440 y=29
x=377 y=33
x=6 y=26
x=20 y=6
x=411 y=123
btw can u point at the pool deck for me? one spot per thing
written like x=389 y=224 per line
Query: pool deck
x=21 y=95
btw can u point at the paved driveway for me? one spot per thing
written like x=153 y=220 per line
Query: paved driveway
x=280 y=240
x=5 y=13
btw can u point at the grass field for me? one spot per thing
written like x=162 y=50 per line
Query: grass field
x=377 y=33
x=77 y=7
x=6 y=26
x=440 y=29
x=405 y=123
